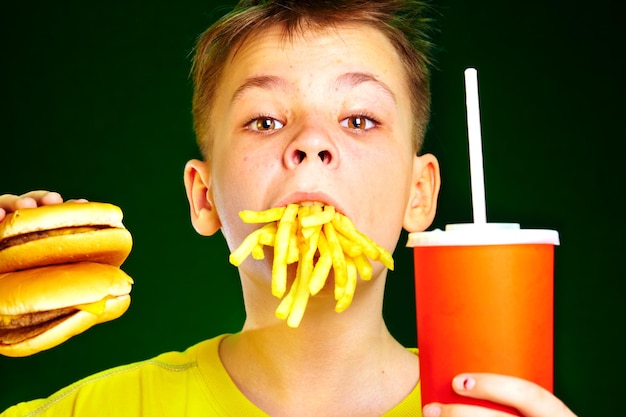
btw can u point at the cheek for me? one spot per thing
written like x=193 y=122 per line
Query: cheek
x=389 y=184
x=388 y=173
x=240 y=183
x=235 y=175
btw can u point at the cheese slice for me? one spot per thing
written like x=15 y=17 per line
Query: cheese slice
x=96 y=308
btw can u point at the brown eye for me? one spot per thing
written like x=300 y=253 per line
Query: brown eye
x=358 y=123
x=265 y=124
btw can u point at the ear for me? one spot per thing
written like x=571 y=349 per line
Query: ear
x=422 y=205
x=204 y=217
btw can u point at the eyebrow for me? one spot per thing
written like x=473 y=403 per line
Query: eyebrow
x=353 y=79
x=346 y=80
x=261 y=81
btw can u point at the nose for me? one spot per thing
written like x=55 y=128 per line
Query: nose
x=311 y=146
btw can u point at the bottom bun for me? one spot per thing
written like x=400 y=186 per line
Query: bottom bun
x=73 y=325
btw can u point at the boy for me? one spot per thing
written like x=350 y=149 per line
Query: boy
x=301 y=101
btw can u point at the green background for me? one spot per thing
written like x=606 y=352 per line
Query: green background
x=96 y=104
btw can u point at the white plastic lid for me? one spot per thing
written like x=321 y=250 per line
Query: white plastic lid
x=471 y=234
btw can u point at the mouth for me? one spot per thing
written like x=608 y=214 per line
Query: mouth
x=310 y=198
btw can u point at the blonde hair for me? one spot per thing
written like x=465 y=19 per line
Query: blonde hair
x=403 y=22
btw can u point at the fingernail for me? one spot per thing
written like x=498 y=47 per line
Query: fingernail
x=464 y=383
x=432 y=410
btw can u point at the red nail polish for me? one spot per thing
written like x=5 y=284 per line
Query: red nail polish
x=468 y=383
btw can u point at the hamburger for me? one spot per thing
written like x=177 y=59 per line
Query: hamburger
x=43 y=307
x=59 y=273
x=63 y=233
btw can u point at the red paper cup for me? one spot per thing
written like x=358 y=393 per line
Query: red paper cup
x=484 y=299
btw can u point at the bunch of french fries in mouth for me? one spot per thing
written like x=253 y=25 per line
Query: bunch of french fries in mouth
x=319 y=239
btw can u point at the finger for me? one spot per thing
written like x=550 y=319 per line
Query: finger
x=33 y=199
x=530 y=399
x=50 y=198
x=38 y=197
x=7 y=204
x=11 y=202
x=461 y=410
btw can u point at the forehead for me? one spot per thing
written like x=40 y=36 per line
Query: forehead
x=316 y=54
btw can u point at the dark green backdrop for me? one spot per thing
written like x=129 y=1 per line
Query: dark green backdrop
x=96 y=104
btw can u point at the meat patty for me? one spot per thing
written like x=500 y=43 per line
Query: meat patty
x=33 y=319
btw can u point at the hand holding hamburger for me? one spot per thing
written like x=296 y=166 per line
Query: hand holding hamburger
x=59 y=270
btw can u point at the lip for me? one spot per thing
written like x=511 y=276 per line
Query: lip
x=302 y=196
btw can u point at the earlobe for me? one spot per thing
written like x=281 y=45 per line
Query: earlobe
x=204 y=216
x=422 y=204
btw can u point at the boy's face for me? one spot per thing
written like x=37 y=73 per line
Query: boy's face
x=321 y=117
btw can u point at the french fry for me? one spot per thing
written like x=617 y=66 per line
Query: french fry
x=305 y=269
x=349 y=247
x=318 y=219
x=267 y=216
x=300 y=302
x=363 y=266
x=322 y=267
x=281 y=246
x=345 y=226
x=319 y=239
x=268 y=236
x=348 y=291
x=257 y=252
x=308 y=212
x=293 y=253
x=245 y=248
x=283 y=309
x=339 y=260
x=385 y=257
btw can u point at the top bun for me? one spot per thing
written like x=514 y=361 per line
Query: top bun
x=105 y=239
x=56 y=216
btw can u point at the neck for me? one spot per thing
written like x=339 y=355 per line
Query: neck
x=331 y=359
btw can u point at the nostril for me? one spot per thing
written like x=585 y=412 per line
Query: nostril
x=299 y=156
x=325 y=156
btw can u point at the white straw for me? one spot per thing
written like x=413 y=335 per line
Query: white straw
x=475 y=146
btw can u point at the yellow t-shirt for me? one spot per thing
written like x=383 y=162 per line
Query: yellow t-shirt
x=190 y=383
